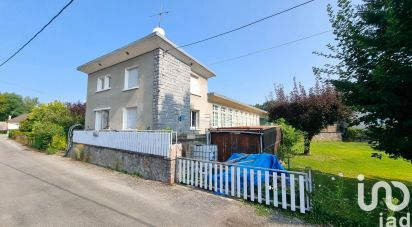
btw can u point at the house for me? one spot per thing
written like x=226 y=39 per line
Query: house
x=152 y=84
x=14 y=123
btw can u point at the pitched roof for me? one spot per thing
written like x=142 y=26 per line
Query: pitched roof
x=18 y=119
x=144 y=45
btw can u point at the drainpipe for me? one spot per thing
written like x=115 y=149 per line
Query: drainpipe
x=261 y=143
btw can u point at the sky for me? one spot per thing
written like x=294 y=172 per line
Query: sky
x=46 y=68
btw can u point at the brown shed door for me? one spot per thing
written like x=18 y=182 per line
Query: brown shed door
x=229 y=143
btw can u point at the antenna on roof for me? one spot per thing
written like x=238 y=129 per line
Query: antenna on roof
x=160 y=15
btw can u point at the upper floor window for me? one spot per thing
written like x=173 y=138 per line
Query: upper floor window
x=104 y=83
x=194 y=85
x=131 y=79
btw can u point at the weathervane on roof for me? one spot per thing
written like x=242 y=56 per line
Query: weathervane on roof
x=158 y=29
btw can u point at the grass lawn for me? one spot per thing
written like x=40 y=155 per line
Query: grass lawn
x=352 y=159
x=334 y=197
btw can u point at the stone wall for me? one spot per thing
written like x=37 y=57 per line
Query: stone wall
x=328 y=136
x=147 y=166
x=171 y=93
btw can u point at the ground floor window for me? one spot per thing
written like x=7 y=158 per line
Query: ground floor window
x=226 y=117
x=101 y=119
x=194 y=119
x=130 y=118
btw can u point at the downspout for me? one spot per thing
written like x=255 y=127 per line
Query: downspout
x=261 y=143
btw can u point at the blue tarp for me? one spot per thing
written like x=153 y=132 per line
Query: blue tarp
x=268 y=161
x=248 y=161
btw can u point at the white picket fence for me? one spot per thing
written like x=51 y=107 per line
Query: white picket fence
x=148 y=141
x=286 y=189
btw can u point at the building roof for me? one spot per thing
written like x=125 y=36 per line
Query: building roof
x=216 y=98
x=18 y=119
x=144 y=45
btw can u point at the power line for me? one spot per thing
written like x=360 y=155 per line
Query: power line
x=269 y=48
x=241 y=27
x=35 y=35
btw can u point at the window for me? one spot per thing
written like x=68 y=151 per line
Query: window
x=215 y=116
x=101 y=119
x=194 y=119
x=131 y=79
x=230 y=118
x=103 y=83
x=130 y=118
x=107 y=82
x=222 y=117
x=215 y=119
x=194 y=85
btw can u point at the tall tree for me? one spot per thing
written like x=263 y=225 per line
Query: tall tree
x=372 y=67
x=78 y=111
x=310 y=112
x=12 y=104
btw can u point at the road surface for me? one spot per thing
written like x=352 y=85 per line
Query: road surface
x=49 y=190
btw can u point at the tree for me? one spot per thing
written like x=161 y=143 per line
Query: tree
x=308 y=112
x=372 y=67
x=12 y=104
x=78 y=111
x=290 y=138
x=56 y=112
x=30 y=103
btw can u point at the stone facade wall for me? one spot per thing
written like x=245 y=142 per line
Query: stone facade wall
x=147 y=166
x=171 y=93
x=328 y=136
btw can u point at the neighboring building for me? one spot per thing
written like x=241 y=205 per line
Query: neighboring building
x=3 y=126
x=14 y=123
x=151 y=84
x=332 y=132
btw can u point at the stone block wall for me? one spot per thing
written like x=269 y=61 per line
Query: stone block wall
x=328 y=136
x=147 y=166
x=171 y=93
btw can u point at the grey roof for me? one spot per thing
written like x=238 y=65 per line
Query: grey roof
x=19 y=118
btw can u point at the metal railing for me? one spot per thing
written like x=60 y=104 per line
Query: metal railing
x=279 y=188
x=155 y=142
x=203 y=152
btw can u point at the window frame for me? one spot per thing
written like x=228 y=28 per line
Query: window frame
x=98 y=112
x=125 y=117
x=102 y=80
x=197 y=122
x=126 y=78
x=193 y=92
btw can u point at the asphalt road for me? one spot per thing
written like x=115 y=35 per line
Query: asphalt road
x=49 y=190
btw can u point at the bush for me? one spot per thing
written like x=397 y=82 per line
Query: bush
x=44 y=132
x=3 y=131
x=58 y=142
x=12 y=134
x=26 y=125
x=290 y=138
x=355 y=134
